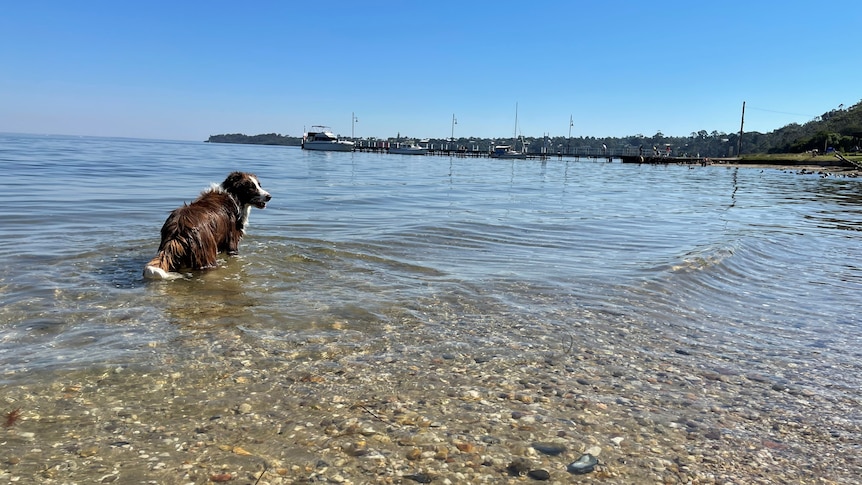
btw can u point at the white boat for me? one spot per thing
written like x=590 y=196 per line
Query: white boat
x=508 y=151
x=321 y=138
x=410 y=148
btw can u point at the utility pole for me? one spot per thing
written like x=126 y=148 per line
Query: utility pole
x=741 y=124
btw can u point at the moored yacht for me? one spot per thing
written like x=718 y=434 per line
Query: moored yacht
x=506 y=151
x=321 y=138
x=410 y=148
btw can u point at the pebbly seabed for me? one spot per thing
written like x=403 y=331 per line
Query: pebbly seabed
x=236 y=412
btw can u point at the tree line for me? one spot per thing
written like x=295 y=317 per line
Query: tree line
x=265 y=139
x=839 y=129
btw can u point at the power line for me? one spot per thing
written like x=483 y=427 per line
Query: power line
x=783 y=112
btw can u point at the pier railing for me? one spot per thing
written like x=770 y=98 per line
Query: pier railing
x=453 y=149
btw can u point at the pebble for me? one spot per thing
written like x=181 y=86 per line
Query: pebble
x=551 y=449
x=539 y=474
x=594 y=450
x=419 y=478
x=585 y=464
x=519 y=466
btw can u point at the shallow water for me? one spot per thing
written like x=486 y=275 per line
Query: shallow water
x=756 y=268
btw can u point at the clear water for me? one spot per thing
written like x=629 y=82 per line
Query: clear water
x=744 y=270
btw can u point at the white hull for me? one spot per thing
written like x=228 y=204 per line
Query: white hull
x=505 y=151
x=332 y=146
x=323 y=139
x=510 y=155
x=408 y=151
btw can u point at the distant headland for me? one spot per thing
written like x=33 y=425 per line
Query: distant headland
x=266 y=139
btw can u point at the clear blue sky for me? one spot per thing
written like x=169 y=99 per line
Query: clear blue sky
x=189 y=69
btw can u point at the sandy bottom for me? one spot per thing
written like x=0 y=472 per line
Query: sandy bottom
x=409 y=408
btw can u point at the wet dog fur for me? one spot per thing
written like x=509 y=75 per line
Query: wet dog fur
x=194 y=234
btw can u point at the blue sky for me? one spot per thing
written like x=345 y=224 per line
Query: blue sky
x=185 y=70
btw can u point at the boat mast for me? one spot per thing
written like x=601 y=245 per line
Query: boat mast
x=741 y=124
x=515 y=134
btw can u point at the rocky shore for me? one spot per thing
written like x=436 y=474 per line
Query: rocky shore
x=411 y=407
x=800 y=168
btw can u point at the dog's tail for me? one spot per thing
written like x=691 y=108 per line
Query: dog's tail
x=161 y=267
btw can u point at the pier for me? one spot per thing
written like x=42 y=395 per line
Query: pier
x=626 y=155
x=631 y=154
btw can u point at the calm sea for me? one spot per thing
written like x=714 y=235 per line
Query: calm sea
x=752 y=270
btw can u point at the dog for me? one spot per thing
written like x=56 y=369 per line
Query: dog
x=194 y=234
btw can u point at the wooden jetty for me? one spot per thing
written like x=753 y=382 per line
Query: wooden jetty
x=609 y=156
x=669 y=160
x=625 y=154
x=464 y=152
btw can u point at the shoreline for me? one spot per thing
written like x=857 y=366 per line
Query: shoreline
x=803 y=166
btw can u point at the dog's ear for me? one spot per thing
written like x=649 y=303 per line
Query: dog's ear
x=232 y=179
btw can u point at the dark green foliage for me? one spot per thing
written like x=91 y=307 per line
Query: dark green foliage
x=840 y=129
x=267 y=139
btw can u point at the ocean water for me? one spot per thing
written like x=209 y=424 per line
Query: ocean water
x=744 y=270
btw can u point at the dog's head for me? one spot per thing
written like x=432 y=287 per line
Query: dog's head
x=245 y=187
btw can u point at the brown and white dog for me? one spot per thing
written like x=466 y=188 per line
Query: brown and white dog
x=196 y=233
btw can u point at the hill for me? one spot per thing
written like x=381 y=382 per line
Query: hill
x=840 y=129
